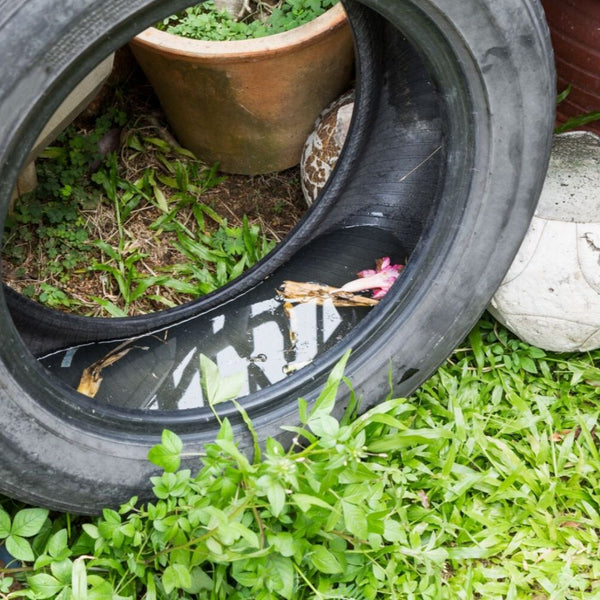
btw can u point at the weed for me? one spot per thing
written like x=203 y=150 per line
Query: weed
x=97 y=213
x=578 y=120
x=54 y=297
x=483 y=484
x=49 y=219
x=206 y=22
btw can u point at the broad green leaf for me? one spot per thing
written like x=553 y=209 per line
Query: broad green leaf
x=284 y=542
x=193 y=250
x=334 y=519
x=57 y=543
x=167 y=454
x=355 y=520
x=28 y=521
x=477 y=346
x=184 y=152
x=393 y=531
x=140 y=289
x=52 y=152
x=91 y=530
x=435 y=555
x=102 y=590
x=527 y=364
x=168 y=181
x=111 y=516
x=221 y=272
x=181 y=287
x=303 y=410
x=214 y=547
x=276 y=497
x=214 y=215
x=324 y=561
x=44 y=585
x=246 y=534
x=133 y=141
x=200 y=582
x=563 y=95
x=62 y=570
x=238 y=268
x=176 y=577
x=324 y=426
x=219 y=388
x=19 y=548
x=282 y=577
x=245 y=572
x=578 y=121
x=183 y=180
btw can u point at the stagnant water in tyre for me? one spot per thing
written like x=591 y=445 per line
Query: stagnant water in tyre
x=252 y=334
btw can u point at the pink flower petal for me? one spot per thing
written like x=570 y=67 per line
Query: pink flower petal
x=379 y=280
x=367 y=273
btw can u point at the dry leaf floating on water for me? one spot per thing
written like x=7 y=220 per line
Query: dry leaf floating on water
x=91 y=378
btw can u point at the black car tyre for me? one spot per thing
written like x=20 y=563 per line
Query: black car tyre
x=447 y=151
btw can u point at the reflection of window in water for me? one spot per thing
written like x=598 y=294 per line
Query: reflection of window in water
x=251 y=334
x=161 y=370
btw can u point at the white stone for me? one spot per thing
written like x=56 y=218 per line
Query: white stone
x=550 y=297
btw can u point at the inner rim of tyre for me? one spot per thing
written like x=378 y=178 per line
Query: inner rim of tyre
x=400 y=206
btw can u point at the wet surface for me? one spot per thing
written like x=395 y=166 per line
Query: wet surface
x=252 y=334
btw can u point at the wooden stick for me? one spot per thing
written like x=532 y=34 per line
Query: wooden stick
x=296 y=292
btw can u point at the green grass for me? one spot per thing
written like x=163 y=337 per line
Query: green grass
x=483 y=484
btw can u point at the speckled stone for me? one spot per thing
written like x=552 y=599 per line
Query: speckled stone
x=324 y=144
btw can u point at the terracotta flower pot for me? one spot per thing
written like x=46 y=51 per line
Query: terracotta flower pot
x=575 y=29
x=249 y=104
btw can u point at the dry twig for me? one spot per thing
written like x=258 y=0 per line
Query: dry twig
x=296 y=292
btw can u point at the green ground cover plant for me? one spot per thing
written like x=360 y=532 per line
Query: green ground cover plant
x=205 y=21
x=483 y=484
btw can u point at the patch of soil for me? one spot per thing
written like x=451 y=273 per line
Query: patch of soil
x=275 y=200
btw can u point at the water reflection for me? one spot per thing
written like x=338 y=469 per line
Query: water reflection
x=251 y=334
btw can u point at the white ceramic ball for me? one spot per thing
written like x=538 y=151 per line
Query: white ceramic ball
x=550 y=297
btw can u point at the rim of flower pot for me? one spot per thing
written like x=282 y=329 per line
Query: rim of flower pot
x=203 y=50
